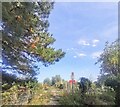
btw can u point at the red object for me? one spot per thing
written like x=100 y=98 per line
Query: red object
x=72 y=81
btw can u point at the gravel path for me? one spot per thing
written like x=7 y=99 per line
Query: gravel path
x=54 y=100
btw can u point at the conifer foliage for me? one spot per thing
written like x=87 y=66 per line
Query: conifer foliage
x=25 y=36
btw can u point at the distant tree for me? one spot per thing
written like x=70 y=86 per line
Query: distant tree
x=56 y=79
x=47 y=81
x=53 y=80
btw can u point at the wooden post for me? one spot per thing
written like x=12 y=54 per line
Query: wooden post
x=72 y=78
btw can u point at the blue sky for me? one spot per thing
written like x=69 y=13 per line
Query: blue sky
x=81 y=30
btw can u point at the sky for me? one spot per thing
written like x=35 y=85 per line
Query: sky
x=81 y=30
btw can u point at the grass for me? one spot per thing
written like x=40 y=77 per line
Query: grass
x=41 y=97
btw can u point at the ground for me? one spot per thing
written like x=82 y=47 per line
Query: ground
x=48 y=96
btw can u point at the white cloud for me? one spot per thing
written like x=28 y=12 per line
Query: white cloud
x=81 y=54
x=76 y=53
x=96 y=54
x=75 y=56
x=83 y=42
x=94 y=42
x=93 y=45
x=71 y=49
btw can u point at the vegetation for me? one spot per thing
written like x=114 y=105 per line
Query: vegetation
x=106 y=90
x=47 y=81
x=110 y=66
x=92 y=96
x=84 y=84
x=26 y=40
x=109 y=59
x=19 y=93
x=56 y=81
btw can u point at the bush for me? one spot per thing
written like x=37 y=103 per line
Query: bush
x=69 y=99
x=95 y=97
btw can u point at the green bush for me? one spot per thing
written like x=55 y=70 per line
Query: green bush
x=71 y=99
x=97 y=96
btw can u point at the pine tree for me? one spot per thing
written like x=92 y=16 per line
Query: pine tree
x=25 y=36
